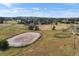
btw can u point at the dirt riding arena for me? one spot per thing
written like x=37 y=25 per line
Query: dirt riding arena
x=23 y=39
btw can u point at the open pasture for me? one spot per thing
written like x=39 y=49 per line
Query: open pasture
x=58 y=27
x=48 y=44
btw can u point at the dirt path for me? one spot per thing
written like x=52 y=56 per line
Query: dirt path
x=23 y=39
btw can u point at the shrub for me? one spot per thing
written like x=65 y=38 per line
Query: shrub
x=3 y=45
x=36 y=28
x=30 y=27
x=53 y=28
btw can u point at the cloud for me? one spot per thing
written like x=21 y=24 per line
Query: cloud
x=64 y=13
x=15 y=12
x=35 y=8
x=6 y=4
x=45 y=8
x=7 y=11
x=20 y=8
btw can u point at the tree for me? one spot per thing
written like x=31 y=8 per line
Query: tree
x=3 y=45
x=1 y=20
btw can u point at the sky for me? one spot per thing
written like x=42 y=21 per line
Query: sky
x=39 y=9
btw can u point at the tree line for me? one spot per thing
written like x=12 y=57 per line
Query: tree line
x=38 y=20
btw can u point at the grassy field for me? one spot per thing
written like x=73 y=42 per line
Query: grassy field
x=48 y=44
x=58 y=27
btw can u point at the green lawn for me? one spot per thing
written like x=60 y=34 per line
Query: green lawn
x=48 y=44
